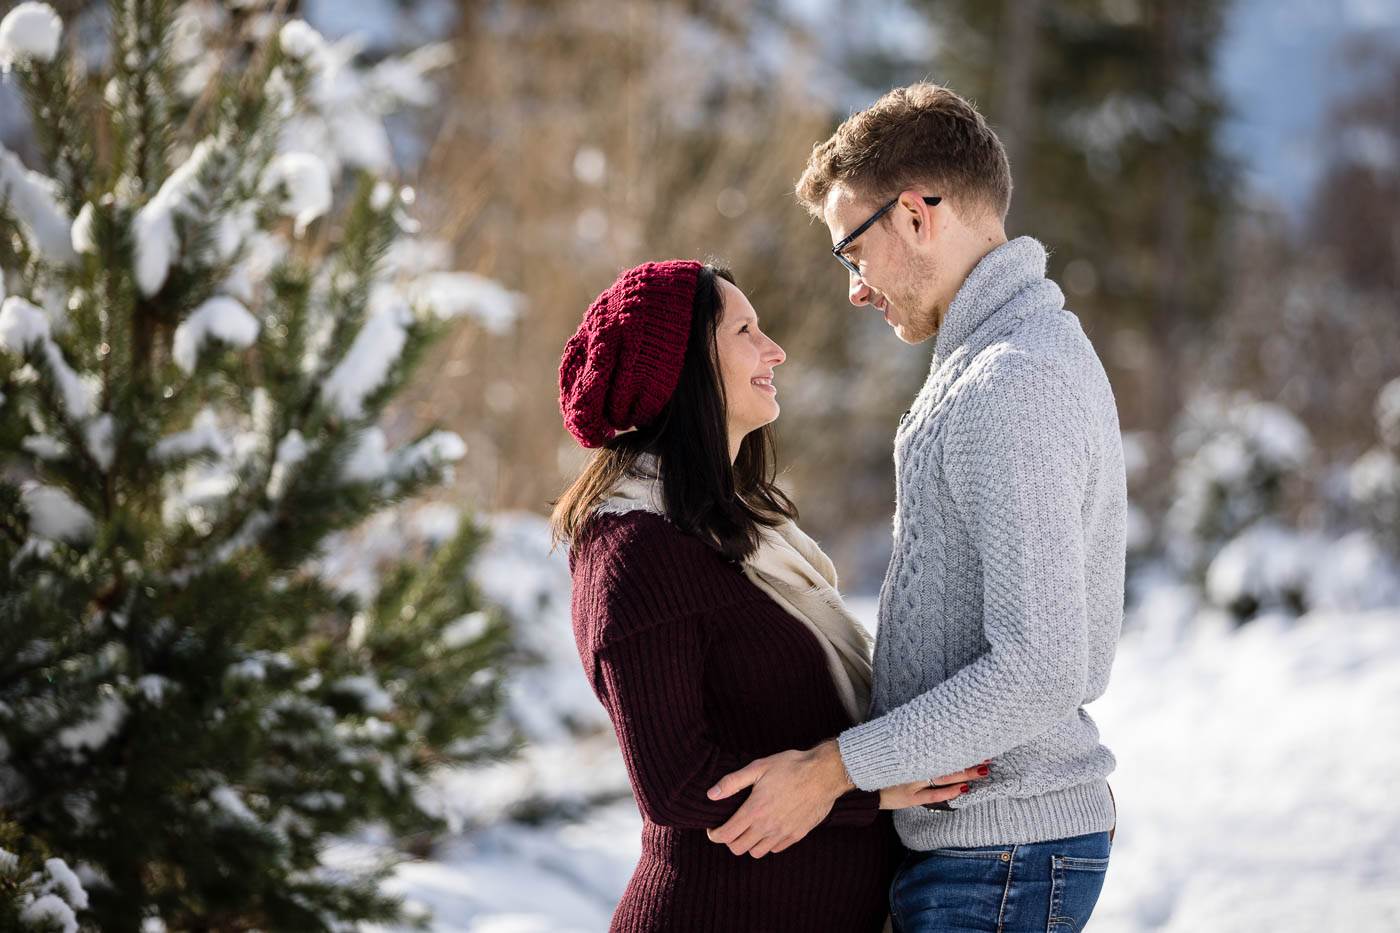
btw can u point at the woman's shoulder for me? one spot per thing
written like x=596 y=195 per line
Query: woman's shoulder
x=635 y=540
x=636 y=569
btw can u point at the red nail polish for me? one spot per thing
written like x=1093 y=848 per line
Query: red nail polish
x=987 y=761
x=965 y=788
x=984 y=771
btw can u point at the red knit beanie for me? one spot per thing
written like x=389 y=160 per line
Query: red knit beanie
x=622 y=364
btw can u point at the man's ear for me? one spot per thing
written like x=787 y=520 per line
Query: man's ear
x=913 y=202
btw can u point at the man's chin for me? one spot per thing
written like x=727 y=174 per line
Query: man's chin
x=910 y=335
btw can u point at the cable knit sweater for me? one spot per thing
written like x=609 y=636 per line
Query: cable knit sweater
x=701 y=672
x=1000 y=611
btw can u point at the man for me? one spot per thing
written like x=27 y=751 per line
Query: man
x=1000 y=612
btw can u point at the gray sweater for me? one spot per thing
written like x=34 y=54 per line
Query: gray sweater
x=1000 y=611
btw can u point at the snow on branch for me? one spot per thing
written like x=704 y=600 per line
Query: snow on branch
x=24 y=329
x=305 y=183
x=221 y=317
x=451 y=294
x=367 y=363
x=157 y=242
x=29 y=32
x=54 y=516
x=34 y=199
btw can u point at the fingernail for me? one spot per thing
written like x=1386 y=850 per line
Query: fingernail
x=965 y=788
x=987 y=761
x=712 y=793
x=984 y=771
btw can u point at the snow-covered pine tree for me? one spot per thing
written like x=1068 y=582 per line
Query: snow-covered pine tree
x=196 y=339
x=1236 y=457
x=1375 y=477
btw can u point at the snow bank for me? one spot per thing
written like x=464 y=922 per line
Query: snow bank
x=1250 y=780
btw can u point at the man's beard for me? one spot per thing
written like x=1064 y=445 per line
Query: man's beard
x=922 y=314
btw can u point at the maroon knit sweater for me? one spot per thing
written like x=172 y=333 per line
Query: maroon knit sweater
x=701 y=673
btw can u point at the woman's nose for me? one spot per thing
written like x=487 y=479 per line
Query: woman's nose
x=776 y=353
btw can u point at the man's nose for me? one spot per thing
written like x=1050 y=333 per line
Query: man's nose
x=859 y=292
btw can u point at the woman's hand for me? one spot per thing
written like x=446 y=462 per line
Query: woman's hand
x=919 y=793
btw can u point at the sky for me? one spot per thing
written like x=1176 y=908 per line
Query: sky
x=1279 y=67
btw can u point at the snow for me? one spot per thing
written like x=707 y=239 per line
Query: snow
x=306 y=183
x=92 y=734
x=300 y=41
x=101 y=445
x=154 y=687
x=23 y=327
x=44 y=446
x=54 y=516
x=232 y=805
x=465 y=630
x=202 y=435
x=1388 y=414
x=291 y=450
x=153 y=228
x=219 y=317
x=344 y=119
x=1250 y=779
x=1261 y=566
x=29 y=31
x=451 y=294
x=81 y=234
x=66 y=882
x=367 y=363
x=366 y=689
x=1354 y=574
x=369 y=460
x=33 y=198
x=48 y=910
x=439 y=447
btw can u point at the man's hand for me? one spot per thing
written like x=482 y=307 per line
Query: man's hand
x=792 y=792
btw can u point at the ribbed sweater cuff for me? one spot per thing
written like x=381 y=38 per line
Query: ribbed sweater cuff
x=870 y=756
x=1074 y=811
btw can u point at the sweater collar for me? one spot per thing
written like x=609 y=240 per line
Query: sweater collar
x=1001 y=276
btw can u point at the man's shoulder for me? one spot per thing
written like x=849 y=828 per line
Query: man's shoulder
x=1046 y=351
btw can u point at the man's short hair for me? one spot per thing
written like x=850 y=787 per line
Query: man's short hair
x=920 y=136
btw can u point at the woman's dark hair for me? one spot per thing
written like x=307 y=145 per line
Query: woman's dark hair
x=705 y=495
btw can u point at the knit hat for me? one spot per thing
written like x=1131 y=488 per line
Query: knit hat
x=622 y=364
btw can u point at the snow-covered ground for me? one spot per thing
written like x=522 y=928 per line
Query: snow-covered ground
x=1255 y=781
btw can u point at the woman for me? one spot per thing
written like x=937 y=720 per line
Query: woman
x=708 y=624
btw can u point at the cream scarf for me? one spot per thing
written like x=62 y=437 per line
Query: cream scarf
x=793 y=571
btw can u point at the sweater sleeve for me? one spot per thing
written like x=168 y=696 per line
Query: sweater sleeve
x=650 y=684
x=1015 y=459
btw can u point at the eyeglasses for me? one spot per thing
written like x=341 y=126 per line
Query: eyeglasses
x=838 y=249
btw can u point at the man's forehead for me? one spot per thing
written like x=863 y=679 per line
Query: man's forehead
x=841 y=211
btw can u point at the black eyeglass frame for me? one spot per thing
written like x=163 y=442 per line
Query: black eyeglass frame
x=837 y=249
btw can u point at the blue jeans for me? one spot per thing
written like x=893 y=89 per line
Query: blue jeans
x=1045 y=887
